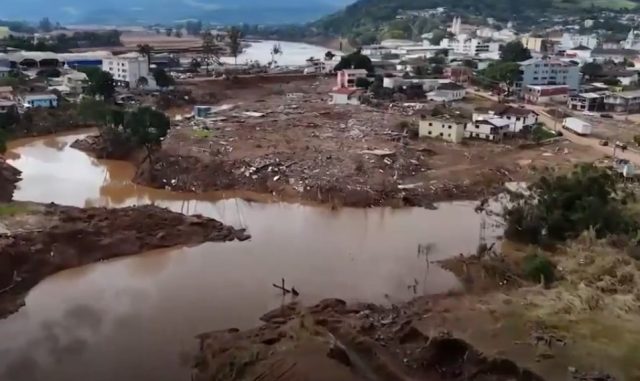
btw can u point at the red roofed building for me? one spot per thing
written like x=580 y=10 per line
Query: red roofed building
x=546 y=94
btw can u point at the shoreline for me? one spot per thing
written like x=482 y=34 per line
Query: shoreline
x=43 y=239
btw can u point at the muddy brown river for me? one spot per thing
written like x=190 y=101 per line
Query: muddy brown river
x=136 y=318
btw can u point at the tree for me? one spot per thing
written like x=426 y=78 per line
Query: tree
x=162 y=78
x=591 y=69
x=362 y=83
x=502 y=72
x=146 y=128
x=514 y=51
x=355 y=60
x=561 y=207
x=471 y=64
x=611 y=81
x=234 y=43
x=168 y=32
x=195 y=65
x=329 y=55
x=142 y=82
x=276 y=50
x=146 y=50
x=437 y=69
x=209 y=49
x=178 y=33
x=45 y=25
x=101 y=83
x=437 y=36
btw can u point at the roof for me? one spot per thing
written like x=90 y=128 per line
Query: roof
x=77 y=75
x=4 y=103
x=614 y=52
x=580 y=47
x=344 y=91
x=591 y=95
x=5 y=69
x=32 y=97
x=6 y=89
x=533 y=61
x=628 y=94
x=550 y=90
x=450 y=86
x=496 y=122
x=355 y=71
x=450 y=117
x=507 y=110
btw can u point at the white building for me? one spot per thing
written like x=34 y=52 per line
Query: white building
x=518 y=118
x=462 y=44
x=129 y=69
x=488 y=129
x=447 y=92
x=632 y=41
x=570 y=40
x=344 y=96
x=347 y=78
x=443 y=127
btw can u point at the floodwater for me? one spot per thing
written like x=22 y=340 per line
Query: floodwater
x=293 y=53
x=135 y=318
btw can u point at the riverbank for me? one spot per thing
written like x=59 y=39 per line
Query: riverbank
x=503 y=327
x=42 y=239
x=336 y=341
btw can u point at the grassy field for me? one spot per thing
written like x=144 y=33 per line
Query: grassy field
x=609 y=4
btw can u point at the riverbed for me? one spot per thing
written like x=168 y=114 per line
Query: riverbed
x=136 y=318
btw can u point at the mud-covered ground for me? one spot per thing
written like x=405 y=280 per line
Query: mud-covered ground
x=39 y=240
x=340 y=342
x=285 y=139
x=9 y=177
x=504 y=327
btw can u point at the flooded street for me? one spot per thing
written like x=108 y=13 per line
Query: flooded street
x=136 y=318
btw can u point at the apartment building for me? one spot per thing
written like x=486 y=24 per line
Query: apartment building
x=548 y=71
x=128 y=69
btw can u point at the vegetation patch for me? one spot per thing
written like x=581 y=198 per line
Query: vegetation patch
x=13 y=209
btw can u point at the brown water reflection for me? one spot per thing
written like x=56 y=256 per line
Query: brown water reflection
x=132 y=318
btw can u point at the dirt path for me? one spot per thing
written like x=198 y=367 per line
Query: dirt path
x=40 y=240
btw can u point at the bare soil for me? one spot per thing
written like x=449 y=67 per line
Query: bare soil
x=9 y=177
x=336 y=341
x=40 y=240
x=302 y=148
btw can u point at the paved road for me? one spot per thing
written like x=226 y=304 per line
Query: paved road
x=551 y=123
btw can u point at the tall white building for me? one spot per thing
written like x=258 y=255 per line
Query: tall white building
x=570 y=40
x=462 y=44
x=128 y=69
x=632 y=41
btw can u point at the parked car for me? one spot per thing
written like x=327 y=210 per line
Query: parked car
x=607 y=116
x=603 y=143
x=589 y=113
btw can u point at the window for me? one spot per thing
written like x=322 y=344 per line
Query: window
x=449 y=126
x=429 y=132
x=441 y=134
x=449 y=135
x=430 y=124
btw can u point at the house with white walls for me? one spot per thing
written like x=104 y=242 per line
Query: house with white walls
x=129 y=70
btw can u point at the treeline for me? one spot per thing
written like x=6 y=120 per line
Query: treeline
x=63 y=42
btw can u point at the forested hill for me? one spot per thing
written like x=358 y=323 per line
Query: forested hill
x=365 y=16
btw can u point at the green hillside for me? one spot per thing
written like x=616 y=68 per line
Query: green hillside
x=368 y=18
